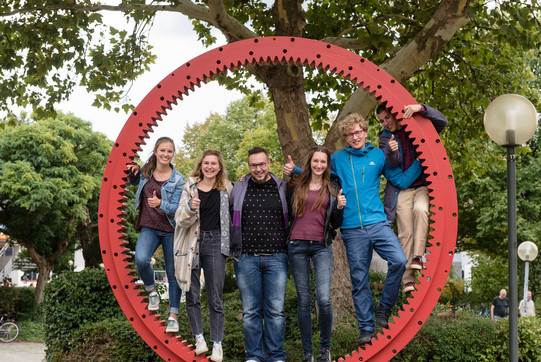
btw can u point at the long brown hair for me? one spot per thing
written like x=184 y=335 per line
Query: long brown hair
x=302 y=183
x=221 y=177
x=150 y=165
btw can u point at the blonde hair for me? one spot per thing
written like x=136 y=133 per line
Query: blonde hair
x=350 y=121
x=221 y=177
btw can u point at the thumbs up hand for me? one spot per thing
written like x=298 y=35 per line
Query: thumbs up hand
x=289 y=166
x=195 y=202
x=154 y=201
x=341 y=200
x=393 y=144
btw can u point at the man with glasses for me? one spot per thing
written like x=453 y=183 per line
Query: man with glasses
x=410 y=205
x=365 y=227
x=258 y=243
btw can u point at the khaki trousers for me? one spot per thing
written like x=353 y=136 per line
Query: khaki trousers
x=412 y=222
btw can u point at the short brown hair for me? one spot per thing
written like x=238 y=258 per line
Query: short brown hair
x=350 y=121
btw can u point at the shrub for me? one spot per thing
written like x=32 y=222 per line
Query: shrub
x=17 y=302
x=109 y=340
x=8 y=299
x=73 y=300
x=25 y=306
x=529 y=341
x=461 y=337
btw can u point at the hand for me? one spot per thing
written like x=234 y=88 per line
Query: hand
x=289 y=166
x=341 y=200
x=133 y=168
x=409 y=110
x=393 y=145
x=195 y=202
x=154 y=201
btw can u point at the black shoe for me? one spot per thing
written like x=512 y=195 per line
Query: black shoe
x=324 y=355
x=365 y=337
x=382 y=316
x=308 y=358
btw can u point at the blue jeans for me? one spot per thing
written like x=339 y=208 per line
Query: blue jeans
x=148 y=242
x=262 y=284
x=300 y=252
x=359 y=243
x=212 y=261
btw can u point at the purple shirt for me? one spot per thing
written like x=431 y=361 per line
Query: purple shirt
x=311 y=225
x=152 y=217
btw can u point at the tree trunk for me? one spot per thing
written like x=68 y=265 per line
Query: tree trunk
x=45 y=265
x=286 y=85
x=341 y=298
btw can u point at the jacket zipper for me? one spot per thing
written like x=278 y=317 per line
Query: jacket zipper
x=356 y=192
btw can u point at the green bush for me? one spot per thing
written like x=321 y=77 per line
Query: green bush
x=73 y=300
x=17 y=302
x=462 y=337
x=8 y=299
x=109 y=340
x=26 y=306
x=529 y=341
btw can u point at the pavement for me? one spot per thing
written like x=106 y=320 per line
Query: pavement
x=22 y=352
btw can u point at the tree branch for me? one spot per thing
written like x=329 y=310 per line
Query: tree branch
x=347 y=43
x=229 y=26
x=187 y=8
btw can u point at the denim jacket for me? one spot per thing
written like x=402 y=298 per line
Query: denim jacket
x=171 y=191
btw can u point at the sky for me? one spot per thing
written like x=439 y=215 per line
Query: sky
x=175 y=43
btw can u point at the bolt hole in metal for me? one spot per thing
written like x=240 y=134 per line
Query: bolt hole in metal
x=299 y=51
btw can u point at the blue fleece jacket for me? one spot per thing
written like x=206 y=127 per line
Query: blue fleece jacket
x=360 y=171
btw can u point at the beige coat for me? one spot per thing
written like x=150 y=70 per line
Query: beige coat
x=187 y=231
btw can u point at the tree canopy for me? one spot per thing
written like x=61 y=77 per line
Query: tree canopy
x=49 y=186
x=243 y=126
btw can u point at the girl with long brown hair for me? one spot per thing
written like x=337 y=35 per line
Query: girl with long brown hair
x=157 y=198
x=316 y=205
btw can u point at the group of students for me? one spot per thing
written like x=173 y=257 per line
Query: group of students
x=267 y=224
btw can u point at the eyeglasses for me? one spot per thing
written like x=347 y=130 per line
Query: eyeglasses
x=350 y=136
x=255 y=166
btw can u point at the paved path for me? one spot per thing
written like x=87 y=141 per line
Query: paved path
x=22 y=352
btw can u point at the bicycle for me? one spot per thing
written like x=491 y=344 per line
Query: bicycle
x=9 y=331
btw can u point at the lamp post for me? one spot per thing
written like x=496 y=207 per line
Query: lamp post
x=527 y=251
x=510 y=121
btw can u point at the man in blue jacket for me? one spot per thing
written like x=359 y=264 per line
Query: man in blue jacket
x=365 y=227
x=410 y=205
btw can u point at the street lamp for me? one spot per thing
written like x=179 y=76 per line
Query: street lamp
x=510 y=121
x=527 y=251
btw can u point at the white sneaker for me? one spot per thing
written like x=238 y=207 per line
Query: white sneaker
x=217 y=353
x=153 y=301
x=172 y=326
x=200 y=346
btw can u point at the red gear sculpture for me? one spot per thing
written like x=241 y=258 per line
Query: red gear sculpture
x=306 y=52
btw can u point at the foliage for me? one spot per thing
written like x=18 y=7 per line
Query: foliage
x=17 y=302
x=108 y=340
x=49 y=186
x=529 y=341
x=244 y=125
x=459 y=338
x=489 y=276
x=8 y=299
x=73 y=300
x=39 y=71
